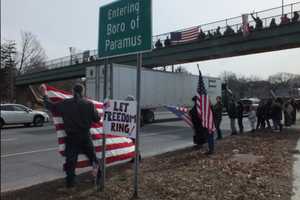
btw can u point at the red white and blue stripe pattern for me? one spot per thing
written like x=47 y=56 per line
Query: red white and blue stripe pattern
x=118 y=149
x=185 y=36
x=182 y=113
x=204 y=109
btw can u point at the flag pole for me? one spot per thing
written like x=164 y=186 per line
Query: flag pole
x=198 y=69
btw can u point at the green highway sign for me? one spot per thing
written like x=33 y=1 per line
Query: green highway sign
x=125 y=27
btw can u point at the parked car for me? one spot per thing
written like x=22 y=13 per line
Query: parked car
x=247 y=102
x=19 y=114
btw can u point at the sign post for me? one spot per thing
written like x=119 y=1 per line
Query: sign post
x=125 y=27
x=103 y=167
x=137 y=139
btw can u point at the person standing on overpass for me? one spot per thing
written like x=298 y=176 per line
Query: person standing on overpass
x=258 y=22
x=78 y=114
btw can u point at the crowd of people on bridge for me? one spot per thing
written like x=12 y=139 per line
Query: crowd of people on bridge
x=268 y=116
x=210 y=34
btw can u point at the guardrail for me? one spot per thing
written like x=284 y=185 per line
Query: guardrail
x=235 y=23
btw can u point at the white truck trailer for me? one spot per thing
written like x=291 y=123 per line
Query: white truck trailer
x=158 y=88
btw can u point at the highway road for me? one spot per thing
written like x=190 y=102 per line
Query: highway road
x=29 y=155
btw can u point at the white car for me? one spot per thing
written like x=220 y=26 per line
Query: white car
x=19 y=114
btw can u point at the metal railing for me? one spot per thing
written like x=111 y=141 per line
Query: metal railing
x=235 y=23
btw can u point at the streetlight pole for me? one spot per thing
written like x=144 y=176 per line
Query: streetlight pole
x=282 y=7
x=71 y=52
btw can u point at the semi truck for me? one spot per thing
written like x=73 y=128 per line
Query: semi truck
x=158 y=88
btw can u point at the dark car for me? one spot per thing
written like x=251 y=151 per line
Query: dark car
x=249 y=102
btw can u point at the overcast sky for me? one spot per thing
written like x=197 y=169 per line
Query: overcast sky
x=60 y=24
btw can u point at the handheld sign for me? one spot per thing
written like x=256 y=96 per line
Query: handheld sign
x=120 y=118
x=125 y=28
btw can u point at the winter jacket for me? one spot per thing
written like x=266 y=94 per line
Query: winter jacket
x=78 y=114
x=232 y=112
x=240 y=110
x=201 y=133
x=217 y=110
x=276 y=111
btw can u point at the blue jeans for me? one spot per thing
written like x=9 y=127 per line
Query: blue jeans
x=210 y=141
x=277 y=124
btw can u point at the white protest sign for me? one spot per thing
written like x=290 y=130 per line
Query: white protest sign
x=120 y=118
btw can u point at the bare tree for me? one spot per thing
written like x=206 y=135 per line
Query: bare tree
x=228 y=76
x=7 y=70
x=181 y=69
x=281 y=78
x=32 y=55
x=8 y=53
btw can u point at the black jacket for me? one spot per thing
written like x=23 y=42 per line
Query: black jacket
x=232 y=112
x=240 y=110
x=201 y=133
x=276 y=111
x=218 y=109
x=77 y=113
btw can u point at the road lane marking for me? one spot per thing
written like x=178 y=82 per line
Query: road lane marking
x=8 y=139
x=161 y=132
x=29 y=152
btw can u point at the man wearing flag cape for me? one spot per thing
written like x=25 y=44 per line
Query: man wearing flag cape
x=78 y=114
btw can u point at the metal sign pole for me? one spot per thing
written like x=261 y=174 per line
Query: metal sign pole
x=138 y=122
x=111 y=85
x=282 y=7
x=97 y=97
x=104 y=137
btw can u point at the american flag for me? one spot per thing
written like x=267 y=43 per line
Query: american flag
x=182 y=113
x=185 y=36
x=204 y=106
x=118 y=149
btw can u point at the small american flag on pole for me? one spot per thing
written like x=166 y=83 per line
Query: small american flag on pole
x=182 y=113
x=118 y=149
x=185 y=36
x=204 y=106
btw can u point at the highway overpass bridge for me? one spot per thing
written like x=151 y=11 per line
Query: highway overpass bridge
x=258 y=41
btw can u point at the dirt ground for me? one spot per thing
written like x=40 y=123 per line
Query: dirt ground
x=248 y=166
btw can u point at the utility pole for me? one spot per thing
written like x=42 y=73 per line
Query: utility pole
x=282 y=7
x=71 y=49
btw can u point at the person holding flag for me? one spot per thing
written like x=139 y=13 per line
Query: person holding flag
x=200 y=133
x=200 y=117
x=204 y=111
x=78 y=115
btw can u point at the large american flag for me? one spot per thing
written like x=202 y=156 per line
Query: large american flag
x=185 y=36
x=204 y=106
x=118 y=149
x=182 y=113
